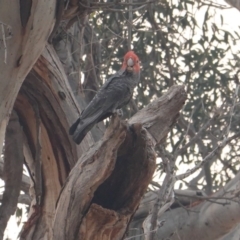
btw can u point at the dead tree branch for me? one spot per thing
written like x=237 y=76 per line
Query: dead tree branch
x=120 y=167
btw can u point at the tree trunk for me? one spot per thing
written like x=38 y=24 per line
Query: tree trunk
x=204 y=217
x=23 y=40
x=111 y=177
x=118 y=169
x=77 y=192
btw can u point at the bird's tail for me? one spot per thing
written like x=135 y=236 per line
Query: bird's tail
x=81 y=127
x=73 y=128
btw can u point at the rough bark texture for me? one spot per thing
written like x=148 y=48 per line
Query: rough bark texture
x=216 y=220
x=113 y=193
x=46 y=108
x=97 y=190
x=99 y=187
x=119 y=175
x=45 y=101
x=160 y=115
x=25 y=39
x=200 y=219
x=40 y=100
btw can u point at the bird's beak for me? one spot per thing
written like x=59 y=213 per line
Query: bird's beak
x=130 y=64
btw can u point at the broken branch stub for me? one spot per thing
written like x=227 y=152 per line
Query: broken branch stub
x=111 y=177
x=159 y=116
x=105 y=186
x=88 y=173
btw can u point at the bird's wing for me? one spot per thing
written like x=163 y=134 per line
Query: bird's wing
x=104 y=99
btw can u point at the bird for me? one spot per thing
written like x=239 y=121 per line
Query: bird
x=115 y=93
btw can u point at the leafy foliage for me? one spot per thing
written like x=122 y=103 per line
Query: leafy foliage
x=181 y=42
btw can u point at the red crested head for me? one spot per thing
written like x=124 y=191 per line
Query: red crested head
x=131 y=62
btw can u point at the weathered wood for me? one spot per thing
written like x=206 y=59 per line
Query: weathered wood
x=206 y=220
x=46 y=89
x=57 y=153
x=109 y=225
x=115 y=173
x=45 y=104
x=159 y=116
x=52 y=161
x=90 y=171
x=25 y=39
x=110 y=176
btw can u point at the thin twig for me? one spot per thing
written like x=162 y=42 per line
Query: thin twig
x=130 y=18
x=115 y=34
x=232 y=110
x=165 y=196
x=216 y=5
x=208 y=157
x=225 y=141
x=121 y=3
x=188 y=128
x=209 y=197
x=4 y=43
x=197 y=136
x=139 y=235
x=106 y=8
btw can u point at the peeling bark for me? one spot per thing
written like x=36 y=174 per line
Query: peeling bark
x=24 y=46
x=120 y=168
x=159 y=116
x=112 y=176
x=106 y=184
x=116 y=172
x=198 y=220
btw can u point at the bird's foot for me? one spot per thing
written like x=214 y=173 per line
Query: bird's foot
x=119 y=112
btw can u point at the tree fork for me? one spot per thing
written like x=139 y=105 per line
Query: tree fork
x=105 y=186
x=111 y=177
x=96 y=177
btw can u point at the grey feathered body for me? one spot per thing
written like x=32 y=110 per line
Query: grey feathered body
x=114 y=94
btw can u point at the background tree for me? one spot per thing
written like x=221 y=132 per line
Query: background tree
x=51 y=69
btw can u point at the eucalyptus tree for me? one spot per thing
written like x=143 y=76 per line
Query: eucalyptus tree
x=54 y=57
